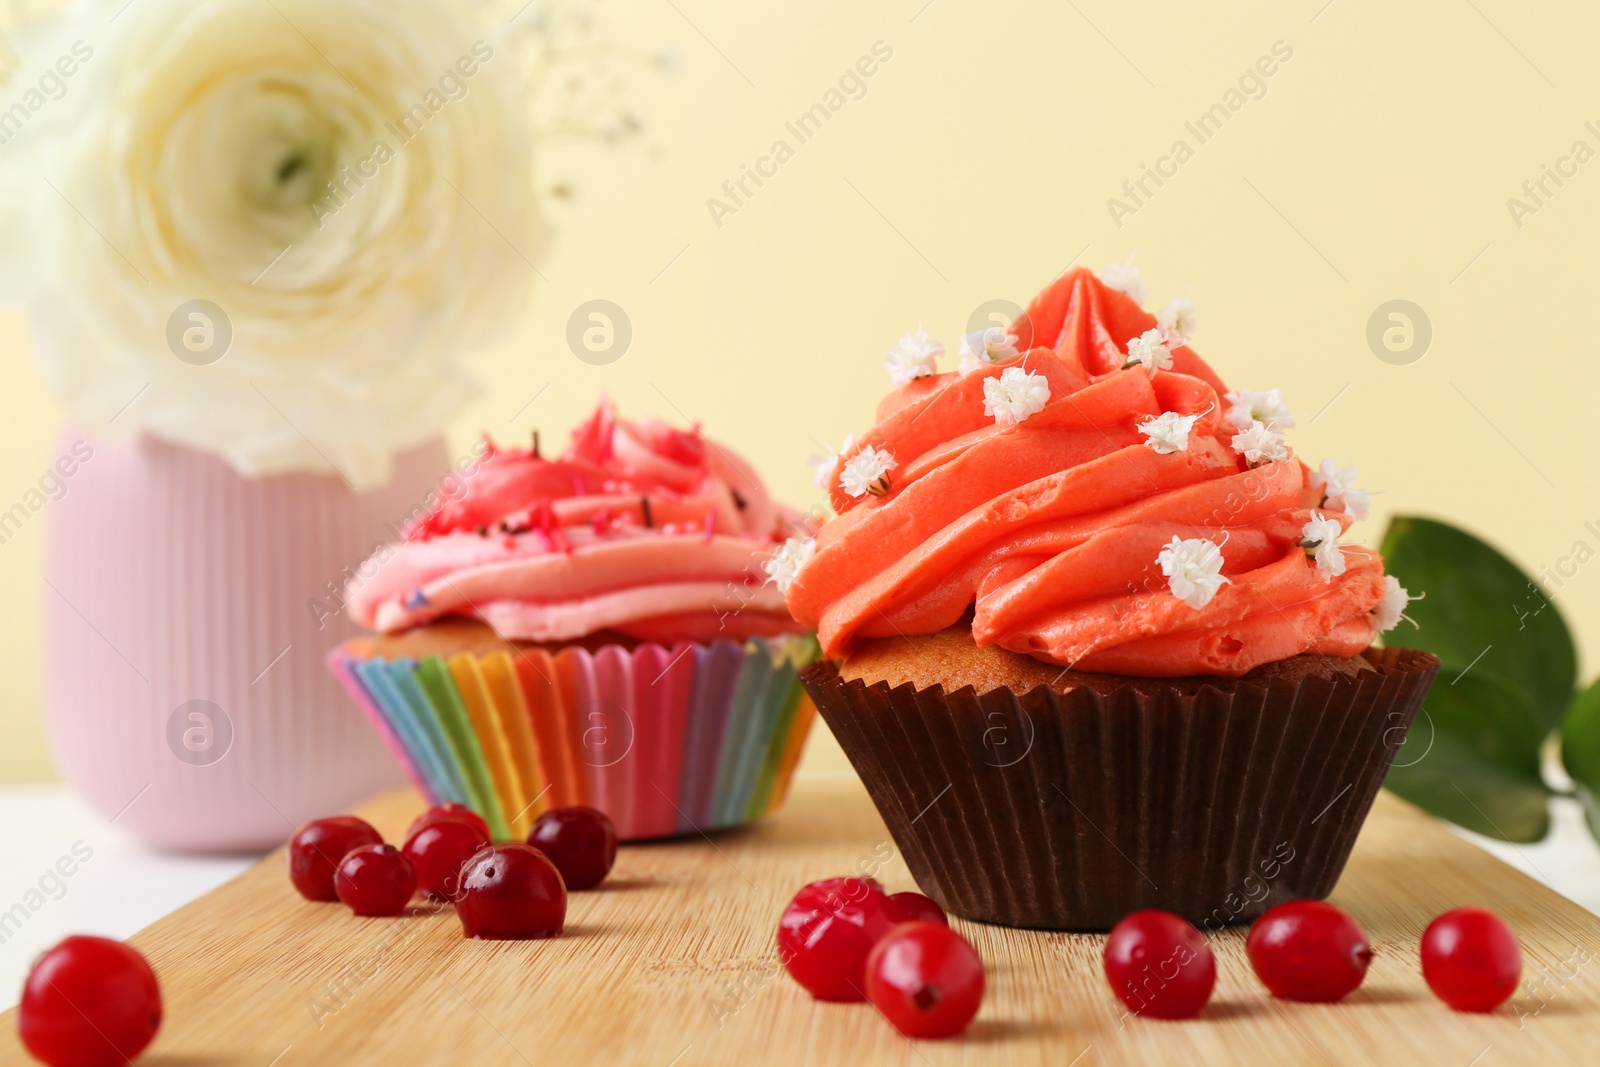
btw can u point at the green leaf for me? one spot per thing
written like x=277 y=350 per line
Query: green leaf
x=1481 y=611
x=1580 y=751
x=1472 y=757
x=1507 y=670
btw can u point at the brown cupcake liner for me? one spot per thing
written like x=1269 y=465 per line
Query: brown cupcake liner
x=1214 y=799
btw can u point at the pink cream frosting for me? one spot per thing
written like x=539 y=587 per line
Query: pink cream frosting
x=1048 y=532
x=637 y=528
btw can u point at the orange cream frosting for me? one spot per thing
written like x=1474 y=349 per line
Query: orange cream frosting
x=1047 y=494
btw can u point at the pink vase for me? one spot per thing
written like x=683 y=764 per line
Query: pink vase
x=187 y=612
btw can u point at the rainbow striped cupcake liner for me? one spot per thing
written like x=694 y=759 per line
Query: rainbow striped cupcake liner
x=666 y=741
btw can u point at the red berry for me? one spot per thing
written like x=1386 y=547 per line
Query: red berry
x=315 y=852
x=580 y=841
x=450 y=810
x=925 y=979
x=89 y=1002
x=826 y=933
x=1308 y=950
x=914 y=907
x=376 y=880
x=511 y=892
x=1471 y=959
x=437 y=850
x=1159 y=965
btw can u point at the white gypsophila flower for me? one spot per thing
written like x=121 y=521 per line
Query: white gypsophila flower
x=1321 y=539
x=1267 y=408
x=1193 y=568
x=822 y=467
x=913 y=356
x=348 y=183
x=1357 y=503
x=1125 y=278
x=986 y=347
x=1015 y=395
x=865 y=472
x=1149 y=350
x=1177 y=321
x=1392 y=607
x=786 y=563
x=1259 y=444
x=1338 y=485
x=1168 y=432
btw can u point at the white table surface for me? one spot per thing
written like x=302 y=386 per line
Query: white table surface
x=123 y=887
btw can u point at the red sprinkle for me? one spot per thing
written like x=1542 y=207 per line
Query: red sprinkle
x=546 y=521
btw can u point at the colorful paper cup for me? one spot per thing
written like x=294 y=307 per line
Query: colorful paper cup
x=666 y=741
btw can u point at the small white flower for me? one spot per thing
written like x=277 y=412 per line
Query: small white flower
x=822 y=467
x=1149 y=350
x=1177 y=321
x=1124 y=277
x=983 y=347
x=1267 y=408
x=913 y=356
x=1321 y=539
x=1258 y=444
x=785 y=565
x=1392 y=608
x=1168 y=432
x=1193 y=569
x=1357 y=503
x=865 y=472
x=1015 y=395
x=1338 y=485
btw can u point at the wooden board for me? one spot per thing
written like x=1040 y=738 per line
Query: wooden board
x=672 y=963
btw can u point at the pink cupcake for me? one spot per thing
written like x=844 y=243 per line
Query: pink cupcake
x=595 y=628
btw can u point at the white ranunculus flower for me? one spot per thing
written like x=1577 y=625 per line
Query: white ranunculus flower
x=350 y=181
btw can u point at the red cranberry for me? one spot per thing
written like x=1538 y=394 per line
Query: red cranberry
x=1471 y=959
x=580 y=841
x=914 y=907
x=511 y=892
x=376 y=880
x=315 y=852
x=89 y=1002
x=926 y=979
x=438 y=849
x=1159 y=965
x=826 y=933
x=450 y=810
x=1308 y=950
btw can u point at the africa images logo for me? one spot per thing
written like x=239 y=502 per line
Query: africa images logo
x=851 y=85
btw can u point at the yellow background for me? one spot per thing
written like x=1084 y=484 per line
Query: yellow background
x=978 y=165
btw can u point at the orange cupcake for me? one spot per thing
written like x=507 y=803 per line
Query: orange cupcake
x=1092 y=640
